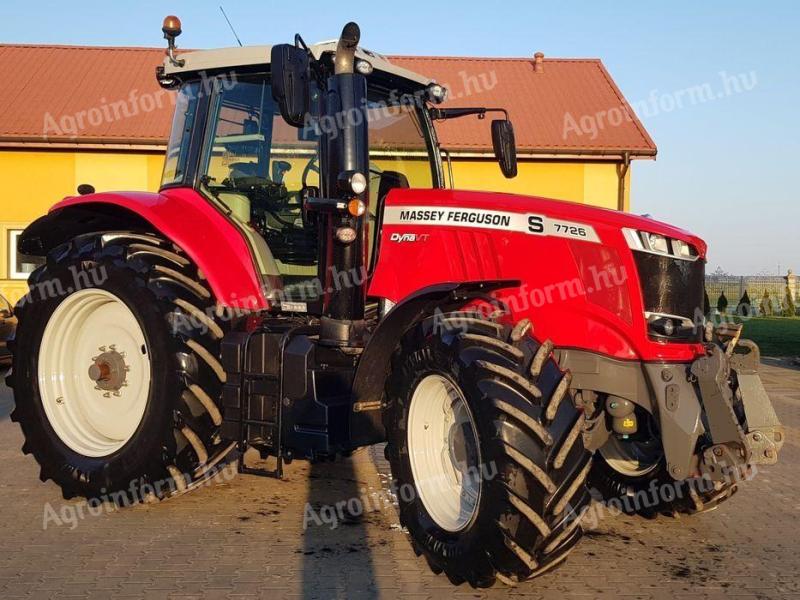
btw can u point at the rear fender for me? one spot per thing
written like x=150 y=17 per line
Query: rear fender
x=181 y=215
x=366 y=417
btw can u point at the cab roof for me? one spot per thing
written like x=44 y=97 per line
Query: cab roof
x=229 y=58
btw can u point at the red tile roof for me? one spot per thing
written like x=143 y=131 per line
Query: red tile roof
x=106 y=95
x=548 y=107
x=71 y=93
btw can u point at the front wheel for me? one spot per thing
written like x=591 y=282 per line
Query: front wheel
x=485 y=448
x=631 y=473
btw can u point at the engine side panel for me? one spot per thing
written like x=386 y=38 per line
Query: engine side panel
x=580 y=283
x=203 y=232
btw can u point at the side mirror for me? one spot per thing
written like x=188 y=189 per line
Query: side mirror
x=505 y=148
x=290 y=74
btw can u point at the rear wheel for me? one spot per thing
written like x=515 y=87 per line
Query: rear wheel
x=486 y=451
x=116 y=376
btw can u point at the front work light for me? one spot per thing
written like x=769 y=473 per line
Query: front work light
x=437 y=93
x=363 y=66
x=346 y=235
x=352 y=181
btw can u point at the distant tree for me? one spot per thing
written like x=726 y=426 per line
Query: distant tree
x=706 y=303
x=720 y=272
x=789 y=308
x=743 y=309
x=722 y=303
x=777 y=306
x=766 y=304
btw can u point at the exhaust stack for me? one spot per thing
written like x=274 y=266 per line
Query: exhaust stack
x=346 y=49
x=346 y=152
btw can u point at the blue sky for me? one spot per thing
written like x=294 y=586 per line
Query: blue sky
x=726 y=169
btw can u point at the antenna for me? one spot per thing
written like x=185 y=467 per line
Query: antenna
x=222 y=10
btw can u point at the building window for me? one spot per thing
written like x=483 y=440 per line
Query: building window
x=19 y=265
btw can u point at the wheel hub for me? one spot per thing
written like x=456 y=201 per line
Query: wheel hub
x=108 y=370
x=637 y=455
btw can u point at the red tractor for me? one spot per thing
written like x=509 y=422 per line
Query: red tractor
x=304 y=284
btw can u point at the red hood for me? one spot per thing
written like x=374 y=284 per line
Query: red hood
x=547 y=206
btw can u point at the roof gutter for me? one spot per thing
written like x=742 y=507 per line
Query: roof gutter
x=160 y=145
x=525 y=154
x=148 y=145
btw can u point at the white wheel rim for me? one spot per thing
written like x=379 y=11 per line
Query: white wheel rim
x=444 y=452
x=94 y=417
x=629 y=459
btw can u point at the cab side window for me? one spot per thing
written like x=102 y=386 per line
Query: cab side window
x=397 y=146
x=398 y=156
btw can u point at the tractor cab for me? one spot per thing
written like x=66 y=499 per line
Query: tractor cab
x=277 y=171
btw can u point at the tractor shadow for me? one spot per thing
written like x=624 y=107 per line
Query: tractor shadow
x=337 y=561
x=6 y=397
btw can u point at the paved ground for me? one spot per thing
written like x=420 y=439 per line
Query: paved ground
x=244 y=538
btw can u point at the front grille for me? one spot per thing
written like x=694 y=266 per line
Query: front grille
x=672 y=286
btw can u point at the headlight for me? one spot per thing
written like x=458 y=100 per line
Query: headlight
x=655 y=243
x=682 y=249
x=670 y=326
x=358 y=183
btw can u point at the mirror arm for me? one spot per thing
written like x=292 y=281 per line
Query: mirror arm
x=441 y=114
x=300 y=43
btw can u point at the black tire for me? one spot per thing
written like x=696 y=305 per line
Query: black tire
x=528 y=515
x=177 y=440
x=655 y=492
x=635 y=495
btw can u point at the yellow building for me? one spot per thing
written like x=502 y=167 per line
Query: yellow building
x=75 y=115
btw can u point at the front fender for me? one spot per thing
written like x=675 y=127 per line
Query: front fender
x=366 y=423
x=181 y=215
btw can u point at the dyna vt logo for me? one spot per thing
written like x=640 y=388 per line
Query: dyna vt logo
x=409 y=237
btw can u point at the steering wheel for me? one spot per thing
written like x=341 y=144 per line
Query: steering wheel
x=311 y=167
